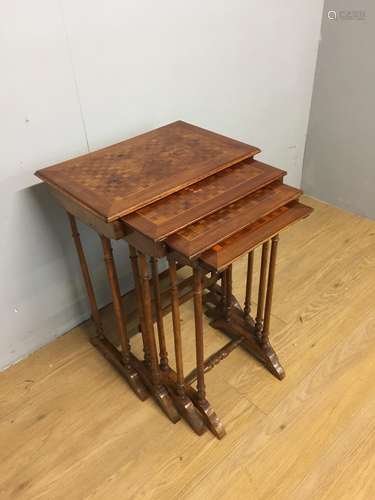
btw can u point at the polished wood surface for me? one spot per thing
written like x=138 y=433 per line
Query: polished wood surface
x=202 y=235
x=71 y=428
x=121 y=178
x=166 y=216
x=223 y=254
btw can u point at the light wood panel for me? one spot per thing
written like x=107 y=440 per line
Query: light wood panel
x=71 y=428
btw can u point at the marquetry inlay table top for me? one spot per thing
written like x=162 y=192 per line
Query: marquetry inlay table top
x=184 y=207
x=121 y=178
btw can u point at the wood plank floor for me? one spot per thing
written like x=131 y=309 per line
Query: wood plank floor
x=71 y=429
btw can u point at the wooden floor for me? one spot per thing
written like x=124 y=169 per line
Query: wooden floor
x=70 y=428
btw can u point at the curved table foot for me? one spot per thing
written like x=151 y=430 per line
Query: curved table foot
x=114 y=357
x=210 y=417
x=159 y=393
x=239 y=327
x=271 y=361
x=189 y=413
x=164 y=400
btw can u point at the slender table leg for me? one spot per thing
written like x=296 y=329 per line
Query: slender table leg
x=228 y=293
x=86 y=277
x=130 y=373
x=138 y=294
x=159 y=315
x=224 y=289
x=262 y=288
x=183 y=403
x=212 y=420
x=271 y=278
x=158 y=390
x=249 y=284
x=273 y=359
x=199 y=341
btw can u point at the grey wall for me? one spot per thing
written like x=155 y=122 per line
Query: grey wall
x=80 y=74
x=339 y=164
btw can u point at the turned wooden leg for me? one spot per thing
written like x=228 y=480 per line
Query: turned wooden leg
x=158 y=390
x=159 y=315
x=262 y=288
x=272 y=361
x=228 y=292
x=86 y=278
x=183 y=403
x=138 y=293
x=130 y=374
x=212 y=420
x=224 y=291
x=271 y=278
x=199 y=340
x=249 y=284
x=176 y=328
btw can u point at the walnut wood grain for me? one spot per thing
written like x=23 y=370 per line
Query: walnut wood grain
x=223 y=254
x=121 y=178
x=202 y=235
x=166 y=216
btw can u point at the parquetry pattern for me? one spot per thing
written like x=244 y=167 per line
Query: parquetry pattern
x=121 y=178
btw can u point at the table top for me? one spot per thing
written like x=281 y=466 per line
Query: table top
x=196 y=238
x=174 y=212
x=124 y=177
x=221 y=255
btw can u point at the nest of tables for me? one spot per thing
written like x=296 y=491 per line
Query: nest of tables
x=198 y=199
